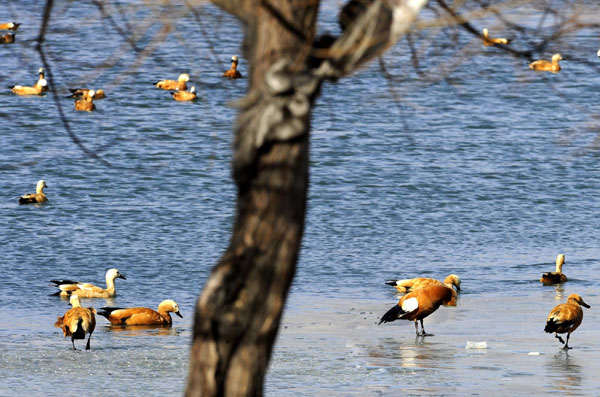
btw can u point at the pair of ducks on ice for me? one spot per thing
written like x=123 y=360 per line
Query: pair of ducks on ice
x=426 y=295
x=8 y=38
x=541 y=65
x=79 y=321
x=179 y=86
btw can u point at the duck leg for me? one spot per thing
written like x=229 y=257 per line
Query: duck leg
x=423 y=333
x=417 y=327
x=87 y=346
x=566 y=346
x=559 y=338
x=73 y=342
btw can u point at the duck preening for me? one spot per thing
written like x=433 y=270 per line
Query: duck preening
x=490 y=41
x=556 y=276
x=185 y=95
x=419 y=304
x=412 y=284
x=544 y=66
x=87 y=290
x=141 y=315
x=82 y=92
x=565 y=318
x=77 y=322
x=233 y=73
x=37 y=197
x=171 y=85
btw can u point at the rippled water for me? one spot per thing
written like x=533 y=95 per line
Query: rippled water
x=487 y=175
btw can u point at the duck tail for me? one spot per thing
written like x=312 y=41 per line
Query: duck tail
x=391 y=282
x=391 y=315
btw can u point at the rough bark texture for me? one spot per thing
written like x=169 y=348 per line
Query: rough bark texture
x=239 y=311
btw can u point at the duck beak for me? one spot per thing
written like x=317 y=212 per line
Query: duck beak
x=179 y=314
x=584 y=304
x=122 y=276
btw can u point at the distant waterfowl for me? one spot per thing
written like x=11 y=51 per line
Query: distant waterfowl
x=37 y=197
x=77 y=321
x=545 y=66
x=86 y=102
x=408 y=285
x=9 y=26
x=38 y=89
x=87 y=290
x=141 y=315
x=419 y=304
x=42 y=86
x=172 y=85
x=490 y=41
x=185 y=95
x=81 y=92
x=233 y=73
x=565 y=318
x=556 y=276
x=7 y=38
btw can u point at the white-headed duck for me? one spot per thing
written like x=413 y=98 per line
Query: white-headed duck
x=185 y=95
x=35 y=198
x=556 y=276
x=86 y=102
x=141 y=315
x=565 y=318
x=490 y=41
x=77 y=321
x=233 y=73
x=419 y=304
x=544 y=66
x=87 y=290
x=172 y=85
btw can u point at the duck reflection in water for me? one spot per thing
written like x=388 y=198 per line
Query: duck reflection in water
x=563 y=372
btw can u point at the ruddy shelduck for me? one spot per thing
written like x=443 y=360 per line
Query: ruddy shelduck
x=233 y=73
x=171 y=85
x=141 y=315
x=35 y=198
x=82 y=92
x=544 y=66
x=38 y=89
x=9 y=26
x=7 y=38
x=556 y=276
x=565 y=318
x=77 y=322
x=86 y=103
x=87 y=290
x=185 y=95
x=490 y=41
x=41 y=77
x=412 y=284
x=419 y=304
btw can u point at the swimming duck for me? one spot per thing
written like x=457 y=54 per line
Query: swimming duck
x=87 y=290
x=565 y=318
x=556 y=276
x=38 y=89
x=7 y=38
x=39 y=84
x=171 y=85
x=233 y=73
x=37 y=197
x=9 y=26
x=77 y=321
x=81 y=92
x=87 y=102
x=408 y=285
x=419 y=304
x=545 y=66
x=185 y=95
x=490 y=41
x=141 y=315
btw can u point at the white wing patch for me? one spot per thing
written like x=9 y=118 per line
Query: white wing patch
x=410 y=304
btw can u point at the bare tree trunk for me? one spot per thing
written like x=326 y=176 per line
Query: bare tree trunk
x=238 y=314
